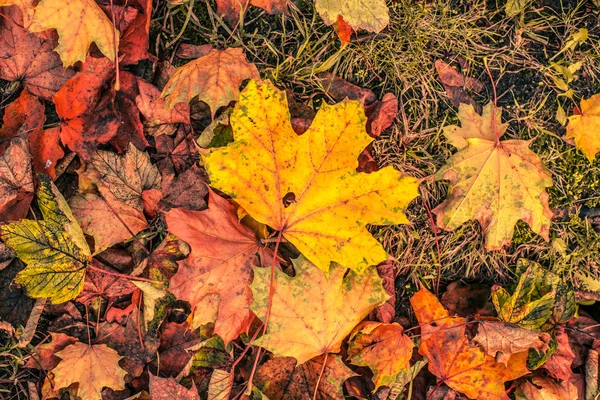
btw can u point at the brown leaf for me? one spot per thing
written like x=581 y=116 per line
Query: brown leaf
x=387 y=311
x=159 y=118
x=541 y=388
x=191 y=51
x=465 y=300
x=231 y=9
x=214 y=279
x=169 y=389
x=381 y=114
x=16 y=181
x=98 y=284
x=85 y=106
x=340 y=89
x=187 y=190
x=44 y=356
x=174 y=340
x=501 y=340
x=131 y=129
x=107 y=219
x=30 y=58
x=280 y=379
x=134 y=40
x=15 y=305
x=559 y=363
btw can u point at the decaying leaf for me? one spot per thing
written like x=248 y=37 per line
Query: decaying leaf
x=92 y=367
x=16 y=181
x=541 y=388
x=129 y=176
x=311 y=313
x=214 y=279
x=501 y=340
x=536 y=299
x=231 y=9
x=215 y=78
x=280 y=378
x=559 y=363
x=584 y=127
x=494 y=182
x=371 y=15
x=54 y=249
x=307 y=186
x=462 y=367
x=169 y=389
x=382 y=347
x=220 y=385
x=159 y=118
x=79 y=23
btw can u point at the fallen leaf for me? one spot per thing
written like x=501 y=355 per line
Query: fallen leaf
x=175 y=339
x=534 y=299
x=29 y=58
x=16 y=181
x=231 y=9
x=214 y=279
x=370 y=15
x=501 y=340
x=25 y=6
x=86 y=108
x=215 y=78
x=298 y=185
x=104 y=285
x=465 y=300
x=22 y=117
x=386 y=312
x=220 y=385
x=159 y=118
x=54 y=249
x=186 y=190
x=583 y=127
x=381 y=114
x=280 y=378
x=495 y=182
x=559 y=363
x=541 y=388
x=46 y=150
x=190 y=51
x=312 y=313
x=15 y=305
x=131 y=129
x=463 y=368
x=384 y=348
x=127 y=177
x=169 y=389
x=44 y=356
x=150 y=296
x=107 y=219
x=340 y=89
x=343 y=30
x=134 y=40
x=92 y=367
x=79 y=23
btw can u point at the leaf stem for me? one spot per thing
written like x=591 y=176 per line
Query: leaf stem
x=320 y=376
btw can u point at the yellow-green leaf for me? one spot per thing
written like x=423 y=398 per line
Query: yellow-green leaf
x=494 y=182
x=307 y=186
x=371 y=15
x=54 y=248
x=585 y=127
x=310 y=313
x=79 y=23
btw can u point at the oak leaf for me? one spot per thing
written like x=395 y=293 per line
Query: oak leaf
x=371 y=15
x=86 y=108
x=128 y=176
x=214 y=279
x=494 y=182
x=54 y=249
x=307 y=186
x=107 y=219
x=79 y=23
x=29 y=58
x=312 y=313
x=584 y=127
x=542 y=388
x=92 y=367
x=215 y=78
x=16 y=181
x=169 y=389
x=382 y=347
x=462 y=367
x=280 y=378
x=501 y=340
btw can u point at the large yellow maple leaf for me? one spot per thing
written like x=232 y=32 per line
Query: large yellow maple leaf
x=311 y=313
x=79 y=23
x=585 y=127
x=494 y=182
x=307 y=186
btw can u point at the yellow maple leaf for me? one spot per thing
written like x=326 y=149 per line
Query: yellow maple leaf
x=307 y=186
x=54 y=249
x=310 y=313
x=79 y=23
x=585 y=127
x=215 y=78
x=494 y=182
x=92 y=367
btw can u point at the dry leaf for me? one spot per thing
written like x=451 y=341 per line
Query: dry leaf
x=169 y=389
x=16 y=181
x=215 y=78
x=231 y=9
x=311 y=313
x=371 y=15
x=494 y=182
x=559 y=363
x=541 y=388
x=307 y=186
